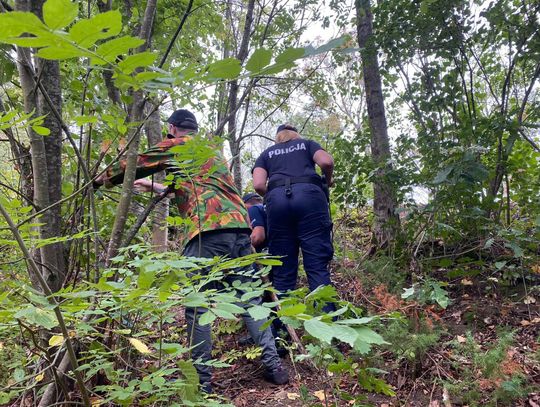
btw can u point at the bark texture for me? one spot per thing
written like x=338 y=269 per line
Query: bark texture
x=45 y=156
x=136 y=111
x=384 y=202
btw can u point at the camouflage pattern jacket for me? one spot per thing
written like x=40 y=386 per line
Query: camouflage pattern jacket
x=206 y=196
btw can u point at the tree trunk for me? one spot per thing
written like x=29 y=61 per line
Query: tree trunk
x=135 y=115
x=384 y=202
x=51 y=268
x=233 y=98
x=160 y=213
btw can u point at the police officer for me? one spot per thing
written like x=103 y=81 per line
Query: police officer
x=257 y=218
x=297 y=207
x=218 y=227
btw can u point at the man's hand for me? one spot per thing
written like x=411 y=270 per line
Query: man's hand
x=257 y=236
x=145 y=185
x=98 y=182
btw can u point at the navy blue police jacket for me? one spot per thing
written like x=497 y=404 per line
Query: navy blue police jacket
x=293 y=158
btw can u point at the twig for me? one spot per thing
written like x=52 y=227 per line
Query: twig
x=173 y=39
x=52 y=301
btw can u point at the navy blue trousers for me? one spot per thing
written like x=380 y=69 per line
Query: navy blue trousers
x=300 y=221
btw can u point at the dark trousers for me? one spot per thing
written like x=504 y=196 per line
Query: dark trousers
x=232 y=244
x=299 y=221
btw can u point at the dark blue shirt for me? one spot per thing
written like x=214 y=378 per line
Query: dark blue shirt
x=293 y=158
x=257 y=217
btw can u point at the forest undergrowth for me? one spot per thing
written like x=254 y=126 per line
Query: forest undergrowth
x=480 y=348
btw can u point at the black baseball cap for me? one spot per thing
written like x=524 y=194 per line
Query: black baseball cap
x=286 y=127
x=251 y=195
x=183 y=119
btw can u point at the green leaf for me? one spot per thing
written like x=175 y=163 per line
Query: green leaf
x=260 y=58
x=323 y=292
x=42 y=131
x=368 y=335
x=65 y=51
x=59 y=13
x=189 y=372
x=345 y=334
x=330 y=45
x=223 y=314
x=101 y=26
x=132 y=62
x=81 y=120
x=207 y=318
x=355 y=321
x=228 y=68
x=194 y=300
x=15 y=23
x=172 y=348
x=290 y=55
x=319 y=330
x=232 y=308
x=190 y=388
x=110 y=50
x=146 y=278
x=443 y=174
x=259 y=312
x=292 y=310
x=38 y=316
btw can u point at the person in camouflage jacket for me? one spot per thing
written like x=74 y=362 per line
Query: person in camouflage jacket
x=216 y=225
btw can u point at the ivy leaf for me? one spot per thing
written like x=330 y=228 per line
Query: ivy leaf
x=105 y=25
x=139 y=345
x=259 y=312
x=228 y=68
x=260 y=58
x=319 y=330
x=59 y=13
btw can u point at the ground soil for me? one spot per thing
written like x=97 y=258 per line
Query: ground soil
x=477 y=308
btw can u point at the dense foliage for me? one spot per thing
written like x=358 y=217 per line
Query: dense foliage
x=91 y=295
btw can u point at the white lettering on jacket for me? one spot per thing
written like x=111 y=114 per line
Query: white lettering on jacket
x=287 y=150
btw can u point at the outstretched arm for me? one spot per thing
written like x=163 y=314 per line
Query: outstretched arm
x=151 y=161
